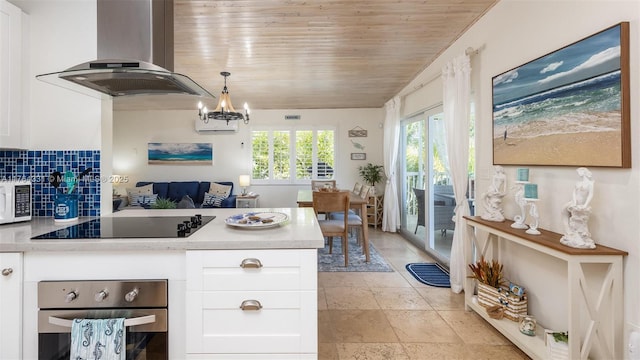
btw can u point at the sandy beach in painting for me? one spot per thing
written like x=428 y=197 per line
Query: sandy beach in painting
x=577 y=149
x=576 y=139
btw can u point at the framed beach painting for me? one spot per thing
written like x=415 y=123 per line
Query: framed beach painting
x=567 y=108
x=180 y=154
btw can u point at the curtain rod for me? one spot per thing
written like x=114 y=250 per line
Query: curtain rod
x=421 y=85
x=468 y=51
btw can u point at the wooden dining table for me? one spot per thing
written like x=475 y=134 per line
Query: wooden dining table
x=305 y=199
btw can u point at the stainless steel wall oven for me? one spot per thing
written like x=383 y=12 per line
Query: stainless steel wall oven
x=143 y=303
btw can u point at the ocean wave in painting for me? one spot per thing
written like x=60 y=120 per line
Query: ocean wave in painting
x=180 y=153
x=591 y=105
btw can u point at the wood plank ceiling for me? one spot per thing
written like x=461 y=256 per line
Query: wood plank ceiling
x=314 y=54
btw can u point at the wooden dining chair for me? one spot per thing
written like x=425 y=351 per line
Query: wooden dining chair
x=327 y=202
x=354 y=219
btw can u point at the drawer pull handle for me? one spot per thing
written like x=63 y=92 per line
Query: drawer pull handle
x=251 y=263
x=7 y=271
x=251 y=305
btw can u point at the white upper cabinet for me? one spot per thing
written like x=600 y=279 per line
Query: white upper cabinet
x=13 y=129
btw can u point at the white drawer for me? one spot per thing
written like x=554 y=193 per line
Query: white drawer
x=277 y=270
x=286 y=323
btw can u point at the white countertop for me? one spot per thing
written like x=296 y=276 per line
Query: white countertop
x=301 y=231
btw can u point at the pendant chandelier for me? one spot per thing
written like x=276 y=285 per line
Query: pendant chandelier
x=224 y=110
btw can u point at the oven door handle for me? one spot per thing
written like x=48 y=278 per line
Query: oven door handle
x=142 y=320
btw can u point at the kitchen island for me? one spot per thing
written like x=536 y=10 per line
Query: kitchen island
x=208 y=279
x=300 y=232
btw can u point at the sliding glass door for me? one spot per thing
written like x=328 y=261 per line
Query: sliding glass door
x=412 y=161
x=441 y=204
x=426 y=191
x=423 y=163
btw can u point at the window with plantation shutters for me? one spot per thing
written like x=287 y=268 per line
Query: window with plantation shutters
x=293 y=155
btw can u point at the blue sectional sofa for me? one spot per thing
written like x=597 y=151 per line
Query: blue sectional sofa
x=175 y=190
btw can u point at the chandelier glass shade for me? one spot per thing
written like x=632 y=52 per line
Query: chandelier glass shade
x=224 y=110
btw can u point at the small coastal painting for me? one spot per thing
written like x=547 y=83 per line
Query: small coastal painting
x=569 y=107
x=180 y=154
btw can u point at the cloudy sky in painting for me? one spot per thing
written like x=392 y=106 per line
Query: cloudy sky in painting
x=599 y=54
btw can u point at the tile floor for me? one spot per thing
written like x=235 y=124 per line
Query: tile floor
x=392 y=316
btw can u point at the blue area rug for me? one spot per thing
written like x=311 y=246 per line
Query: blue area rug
x=335 y=262
x=430 y=274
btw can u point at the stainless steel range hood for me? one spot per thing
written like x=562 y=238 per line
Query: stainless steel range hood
x=113 y=78
x=141 y=30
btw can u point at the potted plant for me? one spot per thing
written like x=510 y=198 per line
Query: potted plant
x=557 y=343
x=487 y=273
x=489 y=280
x=162 y=203
x=492 y=291
x=372 y=174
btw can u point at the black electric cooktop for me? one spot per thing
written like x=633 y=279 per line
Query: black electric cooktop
x=131 y=227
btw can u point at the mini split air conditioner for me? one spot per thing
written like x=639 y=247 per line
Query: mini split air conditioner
x=216 y=126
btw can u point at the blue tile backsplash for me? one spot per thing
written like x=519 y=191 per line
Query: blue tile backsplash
x=37 y=165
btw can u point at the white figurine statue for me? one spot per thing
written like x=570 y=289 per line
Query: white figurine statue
x=576 y=213
x=492 y=199
x=518 y=220
x=533 y=211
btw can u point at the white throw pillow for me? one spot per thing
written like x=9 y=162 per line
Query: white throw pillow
x=212 y=200
x=220 y=190
x=140 y=190
x=144 y=200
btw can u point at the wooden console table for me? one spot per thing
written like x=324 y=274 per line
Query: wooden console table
x=605 y=309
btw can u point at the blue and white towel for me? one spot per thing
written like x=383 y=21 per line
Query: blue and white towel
x=98 y=339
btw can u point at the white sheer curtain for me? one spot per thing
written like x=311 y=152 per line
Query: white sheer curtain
x=436 y=128
x=456 y=86
x=391 y=210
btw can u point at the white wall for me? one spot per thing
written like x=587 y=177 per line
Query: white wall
x=62 y=34
x=511 y=34
x=133 y=130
